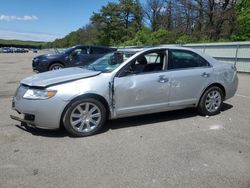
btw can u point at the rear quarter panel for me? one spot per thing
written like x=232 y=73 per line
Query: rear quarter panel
x=226 y=75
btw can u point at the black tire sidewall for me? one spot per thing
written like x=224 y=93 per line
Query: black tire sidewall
x=202 y=107
x=71 y=107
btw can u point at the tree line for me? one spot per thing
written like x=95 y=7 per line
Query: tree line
x=128 y=22
x=21 y=44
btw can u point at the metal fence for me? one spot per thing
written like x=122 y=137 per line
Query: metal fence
x=237 y=53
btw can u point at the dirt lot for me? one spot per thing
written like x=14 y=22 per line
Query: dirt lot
x=172 y=149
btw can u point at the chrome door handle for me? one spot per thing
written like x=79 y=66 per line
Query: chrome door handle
x=162 y=79
x=205 y=75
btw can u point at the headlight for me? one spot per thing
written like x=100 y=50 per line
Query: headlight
x=39 y=94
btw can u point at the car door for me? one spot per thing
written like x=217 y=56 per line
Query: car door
x=85 y=57
x=140 y=91
x=191 y=74
x=78 y=56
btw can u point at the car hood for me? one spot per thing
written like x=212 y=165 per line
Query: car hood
x=48 y=56
x=58 y=76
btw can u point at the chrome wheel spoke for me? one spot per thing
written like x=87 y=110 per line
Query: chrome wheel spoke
x=208 y=101
x=87 y=126
x=97 y=115
x=79 y=108
x=213 y=101
x=92 y=110
x=76 y=122
x=210 y=106
x=85 y=117
x=81 y=126
x=75 y=115
x=86 y=107
x=93 y=121
x=216 y=95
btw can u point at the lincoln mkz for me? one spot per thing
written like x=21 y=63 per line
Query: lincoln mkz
x=122 y=84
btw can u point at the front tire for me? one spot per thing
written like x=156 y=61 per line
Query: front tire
x=84 y=117
x=211 y=101
x=56 y=66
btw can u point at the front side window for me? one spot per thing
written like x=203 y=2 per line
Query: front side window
x=146 y=63
x=79 y=51
x=84 y=51
x=182 y=59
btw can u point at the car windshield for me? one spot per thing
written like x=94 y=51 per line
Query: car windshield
x=109 y=62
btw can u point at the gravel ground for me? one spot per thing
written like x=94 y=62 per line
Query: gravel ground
x=171 y=149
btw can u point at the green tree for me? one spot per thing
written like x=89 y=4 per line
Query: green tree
x=243 y=19
x=117 y=22
x=108 y=23
x=147 y=37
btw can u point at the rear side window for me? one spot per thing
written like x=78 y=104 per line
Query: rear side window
x=182 y=59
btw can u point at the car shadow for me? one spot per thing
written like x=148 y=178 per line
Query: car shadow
x=43 y=132
x=126 y=122
x=155 y=118
x=150 y=119
x=226 y=107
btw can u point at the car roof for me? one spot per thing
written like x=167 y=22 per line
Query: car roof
x=171 y=47
x=77 y=46
x=142 y=50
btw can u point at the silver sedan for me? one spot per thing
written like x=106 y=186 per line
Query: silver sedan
x=123 y=84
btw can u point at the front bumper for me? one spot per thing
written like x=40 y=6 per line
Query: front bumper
x=39 y=66
x=28 y=122
x=45 y=114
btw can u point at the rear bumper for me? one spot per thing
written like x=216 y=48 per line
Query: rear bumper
x=232 y=87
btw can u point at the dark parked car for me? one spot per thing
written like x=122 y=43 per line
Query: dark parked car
x=74 y=56
x=20 y=50
x=7 y=50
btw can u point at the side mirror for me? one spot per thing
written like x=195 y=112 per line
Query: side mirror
x=117 y=58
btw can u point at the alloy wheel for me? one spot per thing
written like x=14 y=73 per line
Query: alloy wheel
x=213 y=101
x=85 y=117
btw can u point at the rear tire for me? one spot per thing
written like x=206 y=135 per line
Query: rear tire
x=84 y=117
x=211 y=101
x=56 y=66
